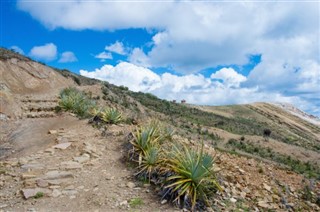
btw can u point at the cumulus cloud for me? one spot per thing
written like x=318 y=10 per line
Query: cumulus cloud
x=17 y=49
x=47 y=52
x=190 y=36
x=67 y=57
x=103 y=56
x=99 y=15
x=229 y=77
x=138 y=57
x=135 y=77
x=117 y=48
x=195 y=88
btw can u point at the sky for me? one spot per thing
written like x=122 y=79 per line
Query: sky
x=206 y=52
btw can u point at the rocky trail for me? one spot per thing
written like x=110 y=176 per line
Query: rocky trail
x=81 y=171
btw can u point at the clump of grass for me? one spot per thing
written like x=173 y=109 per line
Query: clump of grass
x=39 y=195
x=76 y=101
x=136 y=202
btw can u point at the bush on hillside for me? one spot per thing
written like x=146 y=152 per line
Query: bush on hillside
x=185 y=175
x=76 y=101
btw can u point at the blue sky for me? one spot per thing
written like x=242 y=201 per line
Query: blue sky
x=207 y=52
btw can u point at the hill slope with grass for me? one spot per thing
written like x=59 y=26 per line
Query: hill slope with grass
x=73 y=143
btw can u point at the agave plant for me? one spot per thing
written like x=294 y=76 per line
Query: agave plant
x=150 y=162
x=144 y=138
x=67 y=102
x=69 y=92
x=192 y=177
x=94 y=111
x=111 y=116
x=164 y=133
x=75 y=101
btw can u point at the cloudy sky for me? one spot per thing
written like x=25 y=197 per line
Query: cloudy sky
x=207 y=52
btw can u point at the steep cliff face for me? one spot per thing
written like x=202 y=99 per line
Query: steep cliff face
x=25 y=77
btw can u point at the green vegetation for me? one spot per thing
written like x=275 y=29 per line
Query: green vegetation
x=306 y=168
x=111 y=116
x=309 y=192
x=39 y=195
x=78 y=79
x=244 y=119
x=6 y=54
x=192 y=175
x=146 y=149
x=76 y=101
x=184 y=175
x=136 y=202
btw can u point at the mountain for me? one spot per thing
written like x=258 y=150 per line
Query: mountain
x=297 y=112
x=266 y=156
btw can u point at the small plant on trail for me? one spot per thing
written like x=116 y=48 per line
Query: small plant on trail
x=39 y=195
x=136 y=202
x=111 y=116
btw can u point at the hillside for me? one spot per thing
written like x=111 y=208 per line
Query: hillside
x=62 y=156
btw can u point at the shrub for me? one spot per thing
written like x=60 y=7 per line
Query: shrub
x=266 y=132
x=151 y=162
x=192 y=176
x=185 y=175
x=76 y=101
x=147 y=151
x=111 y=116
x=144 y=138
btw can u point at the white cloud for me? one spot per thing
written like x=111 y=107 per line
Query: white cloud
x=229 y=77
x=194 y=35
x=99 y=15
x=47 y=52
x=67 y=57
x=138 y=57
x=103 y=56
x=116 y=47
x=135 y=77
x=195 y=88
x=17 y=49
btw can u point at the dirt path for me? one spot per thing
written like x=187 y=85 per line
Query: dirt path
x=88 y=175
x=30 y=135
